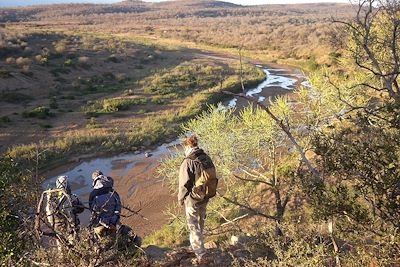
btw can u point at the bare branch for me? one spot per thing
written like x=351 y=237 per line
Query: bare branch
x=254 y=211
x=252 y=180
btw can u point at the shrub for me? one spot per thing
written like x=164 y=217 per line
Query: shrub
x=23 y=61
x=53 y=103
x=60 y=47
x=183 y=79
x=93 y=124
x=111 y=105
x=4 y=120
x=13 y=185
x=39 y=112
x=108 y=76
x=45 y=125
x=120 y=77
x=112 y=58
x=5 y=74
x=83 y=61
x=42 y=60
x=68 y=62
x=14 y=97
x=10 y=60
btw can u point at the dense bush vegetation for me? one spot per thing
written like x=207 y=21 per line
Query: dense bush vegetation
x=111 y=105
x=321 y=171
x=17 y=197
x=183 y=79
x=39 y=112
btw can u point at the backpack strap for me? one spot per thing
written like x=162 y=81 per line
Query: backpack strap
x=201 y=157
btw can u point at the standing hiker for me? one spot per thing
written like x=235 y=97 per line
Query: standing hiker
x=197 y=184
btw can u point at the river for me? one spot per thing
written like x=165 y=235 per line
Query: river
x=135 y=174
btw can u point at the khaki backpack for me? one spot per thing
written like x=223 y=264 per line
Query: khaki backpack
x=205 y=186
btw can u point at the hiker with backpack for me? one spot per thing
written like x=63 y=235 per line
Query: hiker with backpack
x=197 y=184
x=62 y=211
x=105 y=205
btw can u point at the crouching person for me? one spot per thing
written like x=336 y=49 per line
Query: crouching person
x=197 y=184
x=105 y=204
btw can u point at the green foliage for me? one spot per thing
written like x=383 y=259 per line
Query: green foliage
x=14 y=97
x=111 y=105
x=173 y=234
x=39 y=112
x=369 y=162
x=15 y=199
x=4 y=74
x=92 y=124
x=4 y=120
x=53 y=104
x=45 y=125
x=60 y=47
x=183 y=79
x=68 y=62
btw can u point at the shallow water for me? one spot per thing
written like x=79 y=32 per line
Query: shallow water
x=80 y=176
x=275 y=78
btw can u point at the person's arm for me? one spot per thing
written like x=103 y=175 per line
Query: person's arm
x=186 y=180
x=91 y=199
x=78 y=206
x=118 y=206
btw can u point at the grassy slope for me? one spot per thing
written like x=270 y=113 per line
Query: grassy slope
x=148 y=131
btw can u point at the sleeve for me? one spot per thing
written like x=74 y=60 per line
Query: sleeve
x=186 y=180
x=118 y=206
x=91 y=199
x=78 y=206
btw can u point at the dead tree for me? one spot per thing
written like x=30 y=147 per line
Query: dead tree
x=374 y=35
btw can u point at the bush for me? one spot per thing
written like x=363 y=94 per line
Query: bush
x=112 y=58
x=93 y=124
x=14 y=97
x=183 y=79
x=114 y=104
x=53 y=103
x=60 y=47
x=23 y=61
x=10 y=60
x=68 y=62
x=83 y=61
x=39 y=112
x=45 y=125
x=120 y=77
x=15 y=188
x=5 y=74
x=4 y=120
x=42 y=60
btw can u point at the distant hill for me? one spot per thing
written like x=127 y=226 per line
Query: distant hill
x=297 y=31
x=197 y=4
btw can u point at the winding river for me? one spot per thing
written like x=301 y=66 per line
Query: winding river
x=135 y=174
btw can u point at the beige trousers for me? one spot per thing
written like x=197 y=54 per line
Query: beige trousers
x=195 y=218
